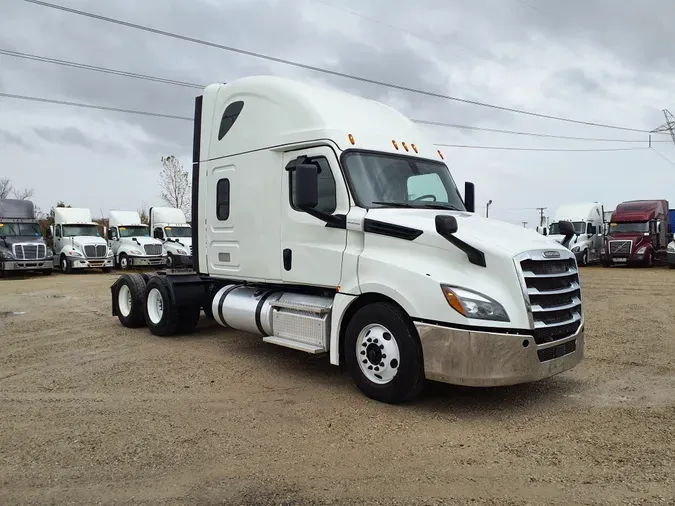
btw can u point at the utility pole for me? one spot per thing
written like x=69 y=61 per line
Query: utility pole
x=487 y=208
x=668 y=126
x=541 y=215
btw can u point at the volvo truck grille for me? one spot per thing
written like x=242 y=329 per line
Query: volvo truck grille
x=620 y=247
x=554 y=293
x=153 y=249
x=95 y=251
x=29 y=251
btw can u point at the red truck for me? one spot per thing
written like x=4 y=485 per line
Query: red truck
x=638 y=233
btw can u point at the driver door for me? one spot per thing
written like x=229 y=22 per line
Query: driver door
x=310 y=252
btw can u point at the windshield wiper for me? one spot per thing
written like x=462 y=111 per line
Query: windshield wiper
x=393 y=204
x=432 y=205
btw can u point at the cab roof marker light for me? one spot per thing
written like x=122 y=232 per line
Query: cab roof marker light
x=405 y=146
x=414 y=148
x=394 y=143
x=440 y=154
x=351 y=139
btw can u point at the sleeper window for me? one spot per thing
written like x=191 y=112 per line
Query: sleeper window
x=223 y=199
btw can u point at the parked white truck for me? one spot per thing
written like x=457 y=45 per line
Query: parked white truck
x=310 y=231
x=77 y=241
x=170 y=226
x=22 y=247
x=130 y=241
x=588 y=220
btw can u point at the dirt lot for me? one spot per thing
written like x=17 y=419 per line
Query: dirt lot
x=91 y=413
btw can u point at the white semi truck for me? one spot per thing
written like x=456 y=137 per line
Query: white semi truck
x=130 y=241
x=326 y=223
x=22 y=247
x=77 y=241
x=170 y=226
x=588 y=220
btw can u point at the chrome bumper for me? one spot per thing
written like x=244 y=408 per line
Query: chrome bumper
x=138 y=261
x=78 y=263
x=26 y=265
x=480 y=359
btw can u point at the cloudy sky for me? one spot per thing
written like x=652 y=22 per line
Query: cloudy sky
x=607 y=61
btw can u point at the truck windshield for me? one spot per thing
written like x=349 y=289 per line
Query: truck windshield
x=134 y=231
x=383 y=180
x=579 y=227
x=23 y=229
x=178 y=231
x=629 y=227
x=80 y=230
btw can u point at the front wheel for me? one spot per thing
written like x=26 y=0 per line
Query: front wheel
x=169 y=260
x=66 y=267
x=584 y=258
x=124 y=262
x=383 y=353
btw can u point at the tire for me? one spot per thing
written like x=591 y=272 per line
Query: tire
x=650 y=259
x=65 y=265
x=161 y=316
x=124 y=262
x=169 y=260
x=584 y=258
x=131 y=301
x=47 y=272
x=402 y=377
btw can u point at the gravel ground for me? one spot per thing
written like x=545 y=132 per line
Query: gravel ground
x=91 y=412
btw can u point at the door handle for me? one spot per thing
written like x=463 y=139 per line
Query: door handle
x=288 y=259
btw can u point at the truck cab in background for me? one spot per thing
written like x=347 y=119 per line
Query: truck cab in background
x=22 y=247
x=130 y=241
x=589 y=230
x=170 y=226
x=639 y=233
x=77 y=241
x=326 y=223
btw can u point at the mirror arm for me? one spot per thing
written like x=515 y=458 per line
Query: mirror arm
x=331 y=220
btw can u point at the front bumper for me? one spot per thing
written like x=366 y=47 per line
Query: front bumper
x=138 y=261
x=27 y=265
x=481 y=359
x=91 y=263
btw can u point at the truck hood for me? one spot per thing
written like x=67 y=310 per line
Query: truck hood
x=485 y=234
x=141 y=239
x=88 y=240
x=185 y=241
x=7 y=241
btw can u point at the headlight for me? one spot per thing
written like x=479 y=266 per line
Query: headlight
x=182 y=252
x=135 y=252
x=5 y=254
x=575 y=249
x=641 y=250
x=474 y=305
x=73 y=253
x=671 y=246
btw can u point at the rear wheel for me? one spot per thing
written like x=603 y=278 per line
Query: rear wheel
x=162 y=317
x=130 y=300
x=383 y=353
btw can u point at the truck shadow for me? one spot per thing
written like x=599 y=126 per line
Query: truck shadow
x=316 y=373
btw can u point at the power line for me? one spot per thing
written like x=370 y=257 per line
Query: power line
x=123 y=73
x=664 y=157
x=530 y=134
x=95 y=68
x=507 y=148
x=323 y=70
x=92 y=106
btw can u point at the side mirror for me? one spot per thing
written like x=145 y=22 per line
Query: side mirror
x=567 y=229
x=446 y=225
x=110 y=237
x=306 y=185
x=470 y=197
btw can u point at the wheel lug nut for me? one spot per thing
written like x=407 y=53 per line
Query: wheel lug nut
x=384 y=356
x=377 y=368
x=364 y=361
x=382 y=346
x=375 y=340
x=370 y=367
x=363 y=352
x=381 y=364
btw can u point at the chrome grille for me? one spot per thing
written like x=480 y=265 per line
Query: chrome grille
x=29 y=251
x=153 y=249
x=554 y=293
x=95 y=251
x=620 y=247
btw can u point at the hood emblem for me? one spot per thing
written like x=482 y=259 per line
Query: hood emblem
x=551 y=254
